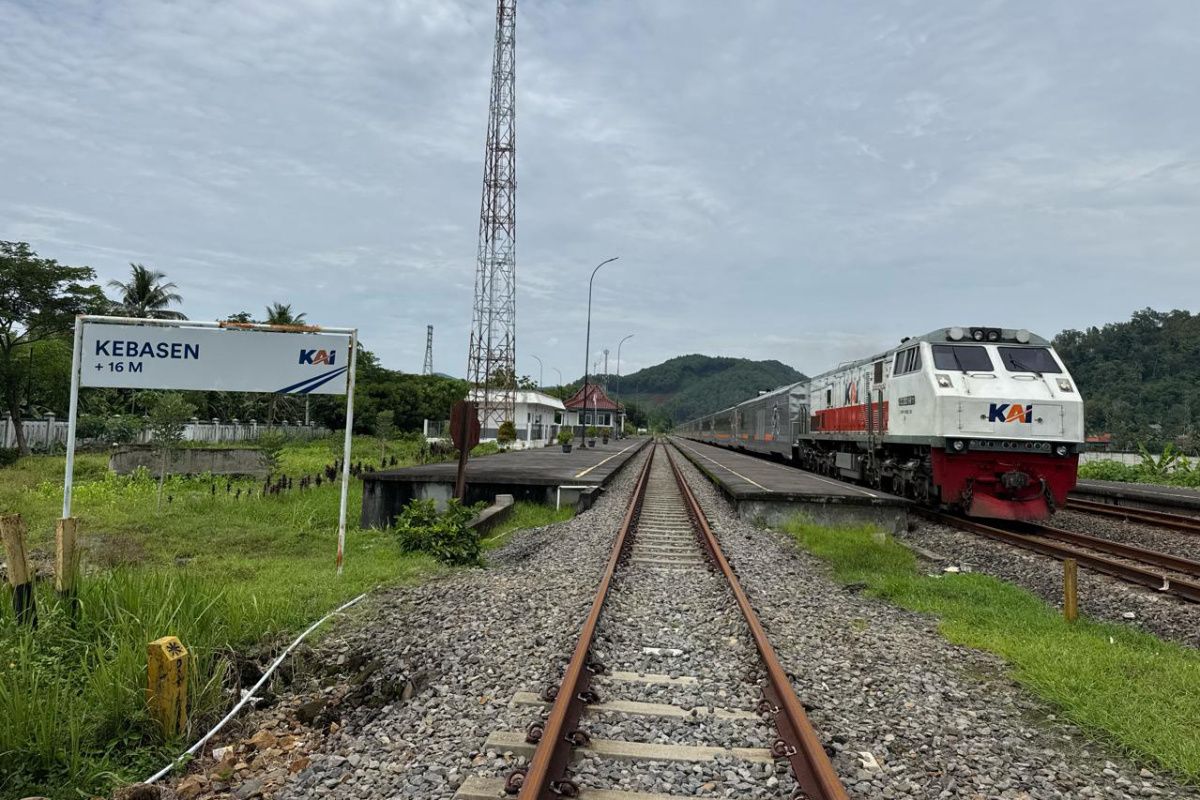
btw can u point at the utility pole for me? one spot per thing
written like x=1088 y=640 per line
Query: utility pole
x=428 y=368
x=606 y=370
x=492 y=360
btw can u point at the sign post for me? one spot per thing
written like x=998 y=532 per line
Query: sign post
x=464 y=432
x=134 y=353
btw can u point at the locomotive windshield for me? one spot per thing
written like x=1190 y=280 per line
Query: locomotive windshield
x=1029 y=359
x=962 y=357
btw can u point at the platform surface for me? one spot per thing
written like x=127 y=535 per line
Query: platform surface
x=545 y=466
x=1180 y=496
x=748 y=477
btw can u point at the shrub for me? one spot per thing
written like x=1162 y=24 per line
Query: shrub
x=565 y=436
x=592 y=431
x=507 y=434
x=91 y=426
x=122 y=430
x=447 y=537
x=271 y=444
x=8 y=456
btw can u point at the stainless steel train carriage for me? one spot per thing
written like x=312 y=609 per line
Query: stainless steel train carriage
x=987 y=420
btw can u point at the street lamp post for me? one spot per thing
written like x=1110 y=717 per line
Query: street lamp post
x=541 y=369
x=630 y=336
x=560 y=380
x=587 y=342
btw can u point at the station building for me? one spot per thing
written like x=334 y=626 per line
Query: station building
x=597 y=409
x=536 y=415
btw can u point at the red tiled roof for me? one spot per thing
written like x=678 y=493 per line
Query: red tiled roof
x=596 y=398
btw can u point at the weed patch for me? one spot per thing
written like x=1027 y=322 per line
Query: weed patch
x=220 y=565
x=1136 y=690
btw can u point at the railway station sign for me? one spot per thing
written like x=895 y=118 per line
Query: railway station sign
x=214 y=358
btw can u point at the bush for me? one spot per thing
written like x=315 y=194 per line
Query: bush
x=446 y=536
x=91 y=426
x=565 y=436
x=592 y=431
x=507 y=434
x=123 y=430
x=8 y=456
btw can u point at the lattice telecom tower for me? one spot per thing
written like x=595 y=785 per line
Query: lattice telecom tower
x=491 y=365
x=428 y=368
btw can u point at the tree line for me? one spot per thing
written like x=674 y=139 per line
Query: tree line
x=1140 y=380
x=40 y=297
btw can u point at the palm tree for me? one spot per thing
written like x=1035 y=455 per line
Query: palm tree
x=281 y=314
x=145 y=295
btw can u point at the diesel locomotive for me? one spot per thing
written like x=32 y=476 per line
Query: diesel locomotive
x=983 y=420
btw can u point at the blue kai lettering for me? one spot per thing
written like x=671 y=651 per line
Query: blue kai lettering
x=318 y=357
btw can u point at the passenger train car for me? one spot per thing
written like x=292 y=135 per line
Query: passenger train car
x=985 y=420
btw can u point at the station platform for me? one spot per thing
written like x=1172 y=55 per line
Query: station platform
x=544 y=475
x=772 y=492
x=1133 y=494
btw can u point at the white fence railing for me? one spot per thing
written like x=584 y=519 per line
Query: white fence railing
x=48 y=433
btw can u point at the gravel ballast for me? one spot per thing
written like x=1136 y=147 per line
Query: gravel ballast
x=939 y=720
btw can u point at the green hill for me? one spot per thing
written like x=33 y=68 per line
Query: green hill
x=1140 y=380
x=687 y=386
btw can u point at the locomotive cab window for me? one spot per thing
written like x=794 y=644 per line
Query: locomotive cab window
x=1029 y=359
x=907 y=361
x=961 y=357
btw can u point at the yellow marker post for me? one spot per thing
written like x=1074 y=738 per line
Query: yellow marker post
x=166 y=690
x=1070 y=589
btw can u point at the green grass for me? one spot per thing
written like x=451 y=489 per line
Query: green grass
x=1136 y=690
x=1183 y=473
x=526 y=515
x=220 y=572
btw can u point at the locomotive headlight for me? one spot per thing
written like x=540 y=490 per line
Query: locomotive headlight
x=1064 y=385
x=993 y=336
x=956 y=334
x=1061 y=450
x=944 y=381
x=958 y=445
x=1023 y=336
x=977 y=334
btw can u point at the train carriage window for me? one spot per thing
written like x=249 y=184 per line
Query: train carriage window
x=878 y=376
x=1029 y=359
x=961 y=357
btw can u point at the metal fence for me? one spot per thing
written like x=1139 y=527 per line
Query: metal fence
x=48 y=433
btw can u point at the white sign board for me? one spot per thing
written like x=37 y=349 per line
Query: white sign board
x=221 y=359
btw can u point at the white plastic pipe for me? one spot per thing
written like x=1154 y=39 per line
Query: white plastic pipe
x=250 y=694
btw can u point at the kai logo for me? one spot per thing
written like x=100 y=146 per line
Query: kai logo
x=318 y=356
x=1010 y=412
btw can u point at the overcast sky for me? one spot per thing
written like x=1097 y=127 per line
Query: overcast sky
x=800 y=181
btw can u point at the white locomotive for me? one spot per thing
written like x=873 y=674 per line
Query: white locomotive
x=986 y=420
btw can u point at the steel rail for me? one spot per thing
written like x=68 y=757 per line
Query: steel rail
x=1156 y=558
x=1117 y=569
x=798 y=741
x=1163 y=519
x=544 y=779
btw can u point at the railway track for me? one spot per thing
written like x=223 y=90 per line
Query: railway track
x=665 y=573
x=1149 y=568
x=1162 y=519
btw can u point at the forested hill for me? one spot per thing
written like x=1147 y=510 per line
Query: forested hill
x=1140 y=380
x=686 y=386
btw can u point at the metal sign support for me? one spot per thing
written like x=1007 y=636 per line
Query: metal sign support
x=77 y=366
